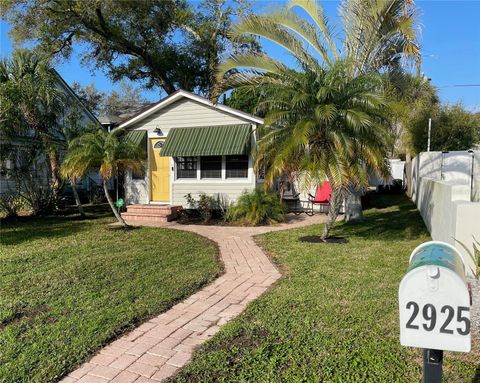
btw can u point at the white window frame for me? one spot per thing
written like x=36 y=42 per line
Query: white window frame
x=175 y=166
x=237 y=178
x=222 y=169
x=223 y=179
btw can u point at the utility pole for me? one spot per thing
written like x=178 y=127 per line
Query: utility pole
x=429 y=133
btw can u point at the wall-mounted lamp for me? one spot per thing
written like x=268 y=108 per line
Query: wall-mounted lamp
x=158 y=131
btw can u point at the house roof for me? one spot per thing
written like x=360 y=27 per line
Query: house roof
x=72 y=93
x=125 y=114
x=179 y=94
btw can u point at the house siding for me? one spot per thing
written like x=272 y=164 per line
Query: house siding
x=185 y=113
x=229 y=190
x=39 y=173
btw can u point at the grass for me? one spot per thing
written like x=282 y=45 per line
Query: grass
x=333 y=317
x=69 y=286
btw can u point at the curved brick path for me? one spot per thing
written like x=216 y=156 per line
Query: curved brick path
x=162 y=345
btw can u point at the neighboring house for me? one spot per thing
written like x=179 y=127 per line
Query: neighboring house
x=192 y=146
x=39 y=169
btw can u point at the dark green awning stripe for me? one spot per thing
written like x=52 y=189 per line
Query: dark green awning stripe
x=207 y=141
x=138 y=137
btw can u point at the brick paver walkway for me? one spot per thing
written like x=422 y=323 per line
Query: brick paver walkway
x=159 y=347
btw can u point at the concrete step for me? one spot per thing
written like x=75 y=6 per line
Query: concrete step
x=152 y=209
x=145 y=218
x=138 y=214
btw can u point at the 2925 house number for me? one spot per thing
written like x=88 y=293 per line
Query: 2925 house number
x=453 y=319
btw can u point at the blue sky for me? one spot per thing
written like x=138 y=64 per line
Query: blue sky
x=450 y=39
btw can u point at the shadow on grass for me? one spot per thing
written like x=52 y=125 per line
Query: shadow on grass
x=23 y=229
x=97 y=210
x=402 y=221
x=476 y=378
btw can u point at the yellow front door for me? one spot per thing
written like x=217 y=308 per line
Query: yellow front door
x=159 y=172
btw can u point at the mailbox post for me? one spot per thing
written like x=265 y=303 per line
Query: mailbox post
x=434 y=303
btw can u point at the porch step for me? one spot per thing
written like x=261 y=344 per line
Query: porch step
x=138 y=214
x=152 y=209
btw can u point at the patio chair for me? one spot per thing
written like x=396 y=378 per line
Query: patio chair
x=322 y=197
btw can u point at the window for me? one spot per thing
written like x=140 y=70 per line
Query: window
x=138 y=176
x=186 y=167
x=211 y=167
x=5 y=167
x=236 y=166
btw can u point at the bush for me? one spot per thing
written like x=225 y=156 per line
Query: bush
x=96 y=195
x=40 y=201
x=258 y=207
x=11 y=204
x=474 y=255
x=205 y=205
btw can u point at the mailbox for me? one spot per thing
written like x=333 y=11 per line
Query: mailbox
x=434 y=300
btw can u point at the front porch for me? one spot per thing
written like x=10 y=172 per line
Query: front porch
x=139 y=214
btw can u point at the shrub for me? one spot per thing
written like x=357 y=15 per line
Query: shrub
x=96 y=195
x=40 y=201
x=11 y=204
x=222 y=205
x=258 y=207
x=205 y=205
x=474 y=255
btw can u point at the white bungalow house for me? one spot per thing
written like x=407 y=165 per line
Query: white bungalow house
x=192 y=146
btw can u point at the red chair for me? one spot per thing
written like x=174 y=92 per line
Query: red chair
x=322 y=196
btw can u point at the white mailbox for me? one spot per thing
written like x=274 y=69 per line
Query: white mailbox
x=434 y=300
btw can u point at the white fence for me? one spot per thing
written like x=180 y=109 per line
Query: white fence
x=397 y=167
x=458 y=168
x=445 y=188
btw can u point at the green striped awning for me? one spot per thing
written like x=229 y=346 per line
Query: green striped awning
x=207 y=141
x=138 y=137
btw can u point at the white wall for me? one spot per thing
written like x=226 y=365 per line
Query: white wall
x=457 y=167
x=136 y=190
x=476 y=176
x=448 y=213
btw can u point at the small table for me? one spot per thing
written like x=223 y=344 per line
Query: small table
x=293 y=204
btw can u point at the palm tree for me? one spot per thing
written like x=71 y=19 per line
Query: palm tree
x=380 y=34
x=328 y=111
x=71 y=129
x=106 y=153
x=32 y=102
x=324 y=125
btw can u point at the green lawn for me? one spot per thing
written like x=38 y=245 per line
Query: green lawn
x=68 y=287
x=333 y=317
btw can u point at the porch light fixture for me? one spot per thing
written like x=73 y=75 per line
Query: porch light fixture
x=158 y=131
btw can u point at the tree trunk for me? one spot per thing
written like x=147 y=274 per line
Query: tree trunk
x=55 y=180
x=54 y=169
x=353 y=206
x=335 y=205
x=110 y=202
x=77 y=199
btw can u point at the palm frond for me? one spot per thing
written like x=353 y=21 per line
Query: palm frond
x=315 y=11
x=268 y=28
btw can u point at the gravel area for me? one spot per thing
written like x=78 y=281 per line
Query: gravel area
x=475 y=310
